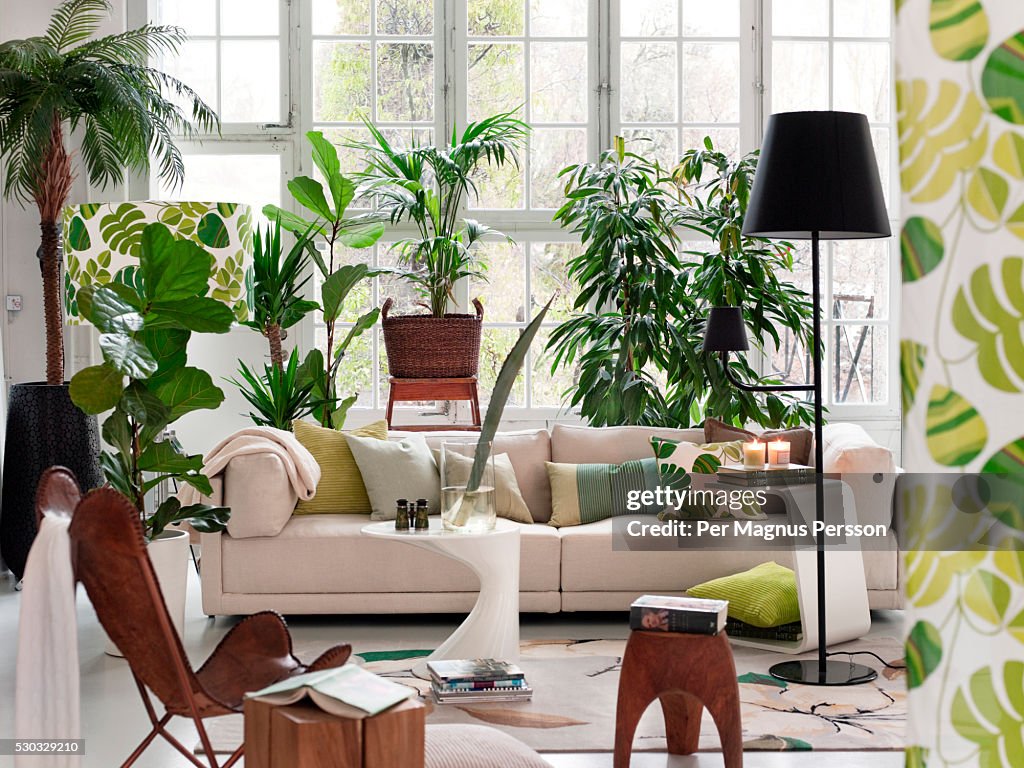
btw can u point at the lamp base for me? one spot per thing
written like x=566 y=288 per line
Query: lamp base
x=834 y=672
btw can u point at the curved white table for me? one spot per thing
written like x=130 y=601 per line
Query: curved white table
x=491 y=630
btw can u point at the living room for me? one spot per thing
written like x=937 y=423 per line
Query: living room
x=442 y=382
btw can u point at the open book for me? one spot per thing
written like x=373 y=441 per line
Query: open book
x=347 y=691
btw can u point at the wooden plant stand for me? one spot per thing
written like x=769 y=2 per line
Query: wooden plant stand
x=686 y=673
x=411 y=390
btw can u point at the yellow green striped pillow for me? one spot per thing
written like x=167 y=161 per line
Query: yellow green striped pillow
x=341 y=490
x=586 y=493
x=764 y=596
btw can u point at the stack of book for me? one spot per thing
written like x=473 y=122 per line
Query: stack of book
x=477 y=680
x=791 y=474
x=788 y=632
x=690 y=615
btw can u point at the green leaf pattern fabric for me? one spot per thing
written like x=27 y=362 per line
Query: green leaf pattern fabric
x=102 y=240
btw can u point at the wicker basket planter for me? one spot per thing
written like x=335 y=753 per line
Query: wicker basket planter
x=428 y=347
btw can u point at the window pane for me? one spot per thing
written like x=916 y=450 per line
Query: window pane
x=648 y=82
x=860 y=279
x=250 y=81
x=661 y=144
x=862 y=79
x=405 y=82
x=341 y=80
x=355 y=374
x=558 y=82
x=862 y=18
x=558 y=18
x=547 y=388
x=496 y=17
x=711 y=82
x=549 y=268
x=196 y=65
x=341 y=17
x=496 y=79
x=405 y=17
x=197 y=17
x=860 y=364
x=552 y=149
x=250 y=17
x=495 y=344
x=504 y=293
x=499 y=187
x=711 y=18
x=405 y=296
x=800 y=18
x=799 y=76
x=251 y=179
x=725 y=140
x=649 y=18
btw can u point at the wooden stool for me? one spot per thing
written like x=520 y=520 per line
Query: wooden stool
x=686 y=673
x=406 y=390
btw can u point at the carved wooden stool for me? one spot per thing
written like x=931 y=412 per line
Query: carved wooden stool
x=687 y=673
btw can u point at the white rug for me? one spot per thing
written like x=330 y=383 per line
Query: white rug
x=575 y=687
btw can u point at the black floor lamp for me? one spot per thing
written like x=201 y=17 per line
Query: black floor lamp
x=817 y=179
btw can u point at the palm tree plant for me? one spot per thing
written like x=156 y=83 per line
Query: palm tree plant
x=125 y=109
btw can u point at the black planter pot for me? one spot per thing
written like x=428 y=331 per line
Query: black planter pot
x=44 y=429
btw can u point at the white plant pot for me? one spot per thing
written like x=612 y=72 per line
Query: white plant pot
x=169 y=555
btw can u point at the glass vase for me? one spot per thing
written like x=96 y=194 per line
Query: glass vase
x=464 y=510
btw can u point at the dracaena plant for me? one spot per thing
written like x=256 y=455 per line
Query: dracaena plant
x=334 y=230
x=107 y=90
x=145 y=380
x=279 y=396
x=427 y=187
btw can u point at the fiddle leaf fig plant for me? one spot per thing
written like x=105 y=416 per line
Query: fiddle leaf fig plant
x=334 y=230
x=145 y=380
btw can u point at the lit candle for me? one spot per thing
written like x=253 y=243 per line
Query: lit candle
x=753 y=455
x=778 y=454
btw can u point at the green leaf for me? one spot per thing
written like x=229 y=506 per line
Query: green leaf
x=164 y=458
x=1002 y=80
x=340 y=413
x=912 y=358
x=188 y=389
x=106 y=308
x=172 y=269
x=77 y=236
x=924 y=653
x=144 y=406
x=337 y=287
x=1007 y=489
x=200 y=314
x=987 y=193
x=959 y=28
x=990 y=718
x=127 y=355
x=167 y=345
x=310 y=194
x=1008 y=154
x=122 y=229
x=922 y=248
x=362 y=324
x=325 y=156
x=117 y=432
x=988 y=596
x=916 y=756
x=294 y=224
x=212 y=232
x=706 y=464
x=955 y=429
x=361 y=234
x=97 y=389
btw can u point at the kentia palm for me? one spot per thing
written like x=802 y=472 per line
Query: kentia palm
x=126 y=112
x=427 y=186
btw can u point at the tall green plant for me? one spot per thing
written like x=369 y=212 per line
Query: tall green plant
x=279 y=396
x=427 y=186
x=145 y=379
x=633 y=303
x=106 y=90
x=749 y=272
x=335 y=231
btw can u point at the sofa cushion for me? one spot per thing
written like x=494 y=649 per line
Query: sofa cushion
x=801 y=440
x=396 y=470
x=527 y=450
x=341 y=489
x=572 y=444
x=256 y=487
x=477 y=746
x=765 y=596
x=328 y=554
x=586 y=493
x=508 y=499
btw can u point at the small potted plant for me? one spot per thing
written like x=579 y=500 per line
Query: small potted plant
x=426 y=186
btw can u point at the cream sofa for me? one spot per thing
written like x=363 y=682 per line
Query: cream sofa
x=320 y=564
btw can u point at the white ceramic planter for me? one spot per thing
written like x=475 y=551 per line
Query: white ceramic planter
x=169 y=555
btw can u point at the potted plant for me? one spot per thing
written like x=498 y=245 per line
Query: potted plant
x=280 y=395
x=427 y=186
x=147 y=384
x=334 y=230
x=107 y=89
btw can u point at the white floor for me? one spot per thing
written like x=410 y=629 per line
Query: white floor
x=114 y=721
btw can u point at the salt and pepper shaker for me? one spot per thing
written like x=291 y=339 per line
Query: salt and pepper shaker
x=402 y=515
x=421 y=522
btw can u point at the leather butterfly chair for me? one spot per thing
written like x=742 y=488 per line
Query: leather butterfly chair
x=110 y=558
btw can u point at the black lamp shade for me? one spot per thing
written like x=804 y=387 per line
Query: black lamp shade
x=725 y=331
x=817 y=173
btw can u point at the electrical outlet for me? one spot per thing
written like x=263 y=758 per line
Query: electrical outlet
x=14 y=303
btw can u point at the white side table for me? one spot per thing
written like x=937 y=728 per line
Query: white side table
x=491 y=630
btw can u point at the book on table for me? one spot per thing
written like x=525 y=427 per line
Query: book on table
x=791 y=474
x=347 y=691
x=477 y=680
x=688 y=615
x=788 y=632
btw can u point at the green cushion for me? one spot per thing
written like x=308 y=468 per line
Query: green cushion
x=586 y=493
x=764 y=596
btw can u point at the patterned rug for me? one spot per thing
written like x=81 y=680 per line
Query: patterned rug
x=576 y=682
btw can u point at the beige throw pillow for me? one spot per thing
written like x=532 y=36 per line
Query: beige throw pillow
x=508 y=499
x=396 y=470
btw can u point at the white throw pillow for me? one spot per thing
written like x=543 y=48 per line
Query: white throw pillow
x=508 y=499
x=396 y=470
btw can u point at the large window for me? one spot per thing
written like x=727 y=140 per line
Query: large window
x=580 y=72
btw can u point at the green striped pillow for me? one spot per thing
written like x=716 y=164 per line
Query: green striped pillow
x=764 y=596
x=586 y=493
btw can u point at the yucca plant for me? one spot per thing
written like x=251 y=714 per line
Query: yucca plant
x=427 y=186
x=125 y=110
x=280 y=396
x=275 y=284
